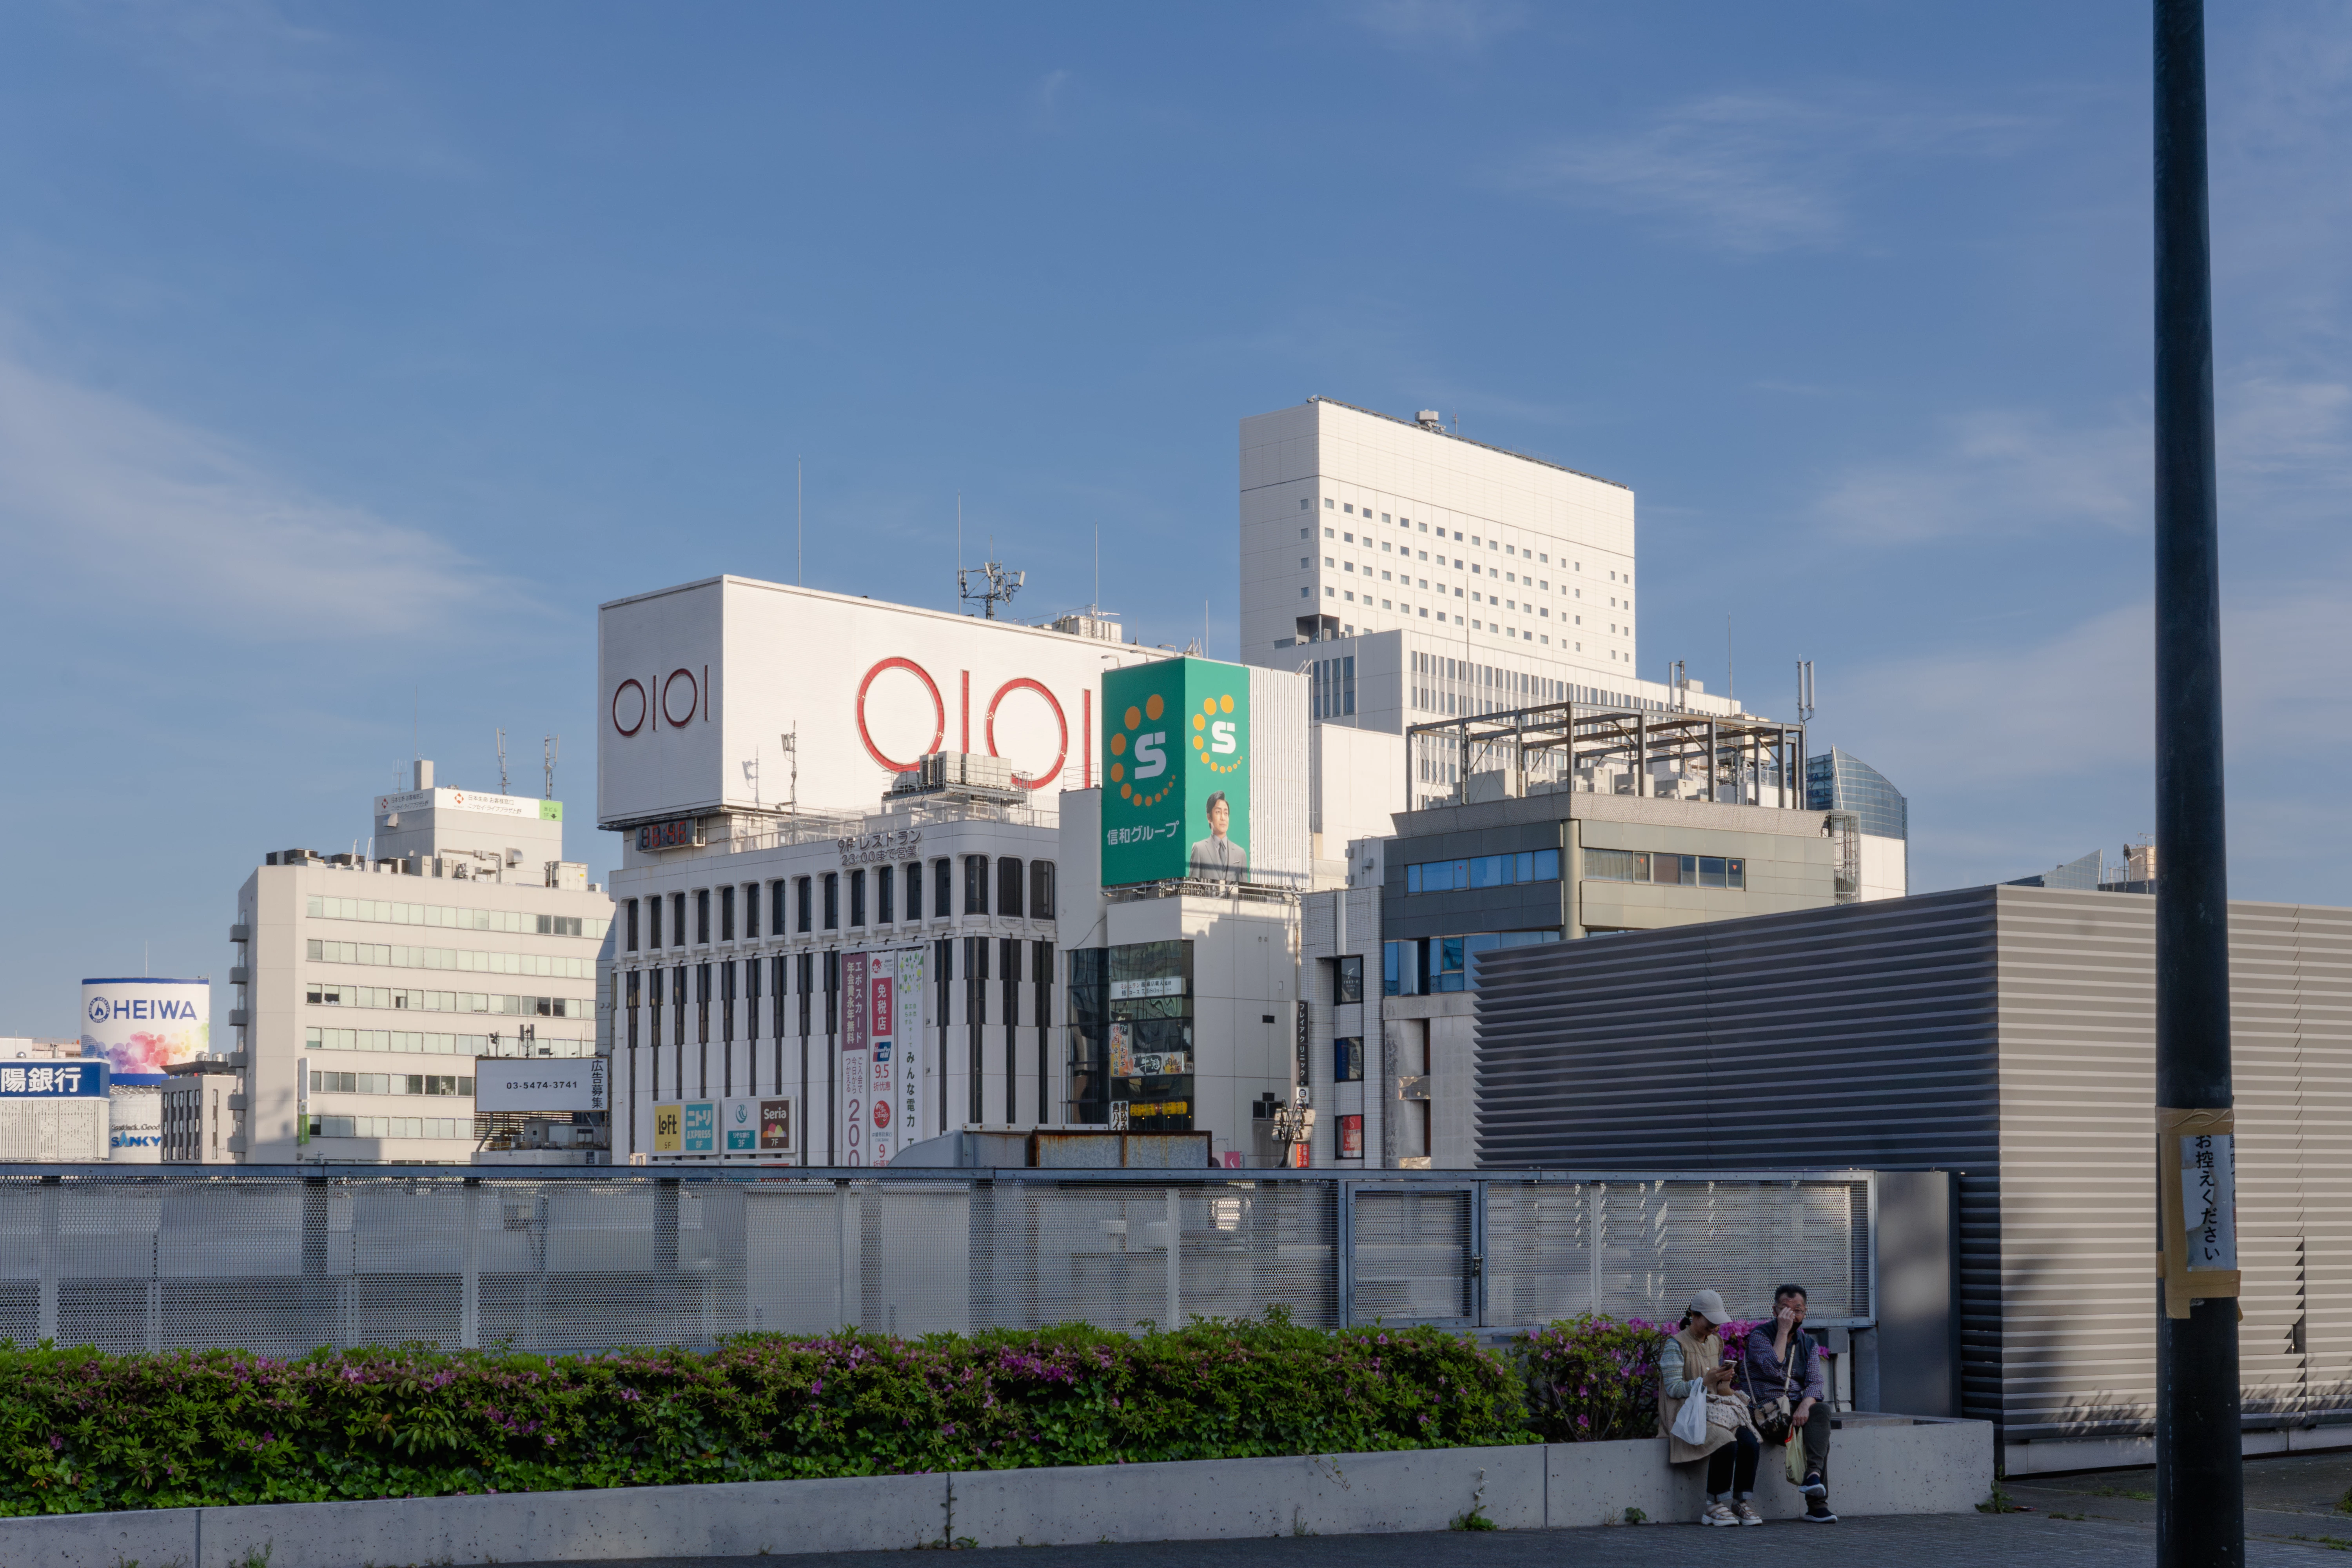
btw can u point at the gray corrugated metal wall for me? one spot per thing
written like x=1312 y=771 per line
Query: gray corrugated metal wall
x=2005 y=1033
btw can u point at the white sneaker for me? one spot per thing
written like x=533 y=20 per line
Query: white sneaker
x=1747 y=1515
x=1718 y=1513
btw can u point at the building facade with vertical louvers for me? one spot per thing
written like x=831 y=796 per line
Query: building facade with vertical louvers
x=2006 y=1034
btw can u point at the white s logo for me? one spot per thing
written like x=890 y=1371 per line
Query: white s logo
x=1221 y=737
x=1150 y=762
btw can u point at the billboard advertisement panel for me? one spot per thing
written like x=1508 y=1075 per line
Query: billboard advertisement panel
x=686 y=1129
x=698 y=685
x=1176 y=773
x=877 y=1109
x=759 y=1125
x=540 y=1083
x=141 y=1027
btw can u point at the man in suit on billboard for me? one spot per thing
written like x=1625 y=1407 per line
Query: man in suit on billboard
x=1217 y=859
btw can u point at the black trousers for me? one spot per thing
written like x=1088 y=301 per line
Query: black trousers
x=1815 y=1435
x=1732 y=1468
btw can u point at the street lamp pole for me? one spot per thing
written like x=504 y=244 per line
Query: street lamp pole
x=2200 y=1481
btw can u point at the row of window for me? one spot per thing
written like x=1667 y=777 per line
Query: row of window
x=385 y=911
x=332 y=994
x=1431 y=967
x=889 y=895
x=523 y=1042
x=391 y=1127
x=1482 y=871
x=1349 y=509
x=465 y=960
x=390 y=1083
x=1686 y=870
x=1306 y=564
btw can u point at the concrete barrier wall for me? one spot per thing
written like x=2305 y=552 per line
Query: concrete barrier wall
x=1928 y=1466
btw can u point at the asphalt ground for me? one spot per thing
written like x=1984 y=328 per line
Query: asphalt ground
x=2102 y=1520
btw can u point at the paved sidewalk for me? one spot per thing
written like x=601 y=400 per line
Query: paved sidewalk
x=2289 y=1497
x=1948 y=1541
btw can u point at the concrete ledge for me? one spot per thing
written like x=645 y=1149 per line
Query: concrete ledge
x=1214 y=1500
x=1891 y=1465
x=2052 y=1456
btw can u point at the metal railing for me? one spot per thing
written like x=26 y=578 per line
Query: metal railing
x=280 y=1260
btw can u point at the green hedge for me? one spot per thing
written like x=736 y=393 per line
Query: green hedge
x=83 y=1431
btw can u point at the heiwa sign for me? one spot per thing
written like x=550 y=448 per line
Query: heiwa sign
x=1175 y=769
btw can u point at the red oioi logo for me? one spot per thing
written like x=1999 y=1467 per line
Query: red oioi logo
x=682 y=697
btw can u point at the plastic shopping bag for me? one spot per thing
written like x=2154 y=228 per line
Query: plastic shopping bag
x=1690 y=1421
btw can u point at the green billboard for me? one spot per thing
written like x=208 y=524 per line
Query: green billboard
x=1176 y=775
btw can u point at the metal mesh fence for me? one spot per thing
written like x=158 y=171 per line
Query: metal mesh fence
x=278 y=1262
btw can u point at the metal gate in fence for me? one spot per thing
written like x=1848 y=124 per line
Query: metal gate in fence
x=281 y=1261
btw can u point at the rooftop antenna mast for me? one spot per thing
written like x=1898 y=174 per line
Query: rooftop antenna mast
x=1804 y=691
x=502 y=761
x=791 y=740
x=997 y=584
x=547 y=748
x=799 y=524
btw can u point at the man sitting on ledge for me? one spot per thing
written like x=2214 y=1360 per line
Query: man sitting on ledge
x=1780 y=1356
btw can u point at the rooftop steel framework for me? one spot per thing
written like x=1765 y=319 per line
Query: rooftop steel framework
x=1608 y=749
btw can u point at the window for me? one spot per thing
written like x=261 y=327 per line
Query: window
x=1347 y=1060
x=751 y=912
x=631 y=918
x=1347 y=978
x=726 y=914
x=885 y=890
x=1327 y=503
x=701 y=915
x=1304 y=502
x=653 y=920
x=1009 y=887
x=833 y=900
x=857 y=896
x=1349 y=509
x=801 y=897
x=1482 y=871
x=1041 y=890
x=975 y=884
x=915 y=891
x=942 y=888
x=678 y=920
x=1330 y=533
x=1682 y=870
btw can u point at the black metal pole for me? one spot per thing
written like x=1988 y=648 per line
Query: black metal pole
x=2201 y=1481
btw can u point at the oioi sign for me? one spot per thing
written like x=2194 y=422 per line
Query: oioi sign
x=1176 y=773
x=697 y=682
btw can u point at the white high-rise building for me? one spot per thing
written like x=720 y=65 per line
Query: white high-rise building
x=1417 y=576
x=1355 y=523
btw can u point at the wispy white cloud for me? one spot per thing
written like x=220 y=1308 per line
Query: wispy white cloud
x=108 y=502
x=2067 y=723
x=1754 y=173
x=2285 y=446
x=291 y=84
x=1461 y=27
x=1045 y=99
x=1996 y=472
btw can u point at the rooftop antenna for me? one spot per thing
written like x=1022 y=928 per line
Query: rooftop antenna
x=547 y=748
x=1097 y=604
x=791 y=740
x=1804 y=691
x=800 y=525
x=502 y=761
x=958 y=548
x=997 y=584
x=1730 y=669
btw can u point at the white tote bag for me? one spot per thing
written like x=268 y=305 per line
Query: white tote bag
x=1690 y=1421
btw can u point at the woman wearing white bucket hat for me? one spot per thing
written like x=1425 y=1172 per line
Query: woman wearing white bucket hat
x=1691 y=1367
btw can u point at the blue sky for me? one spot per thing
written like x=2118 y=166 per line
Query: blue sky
x=350 y=355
